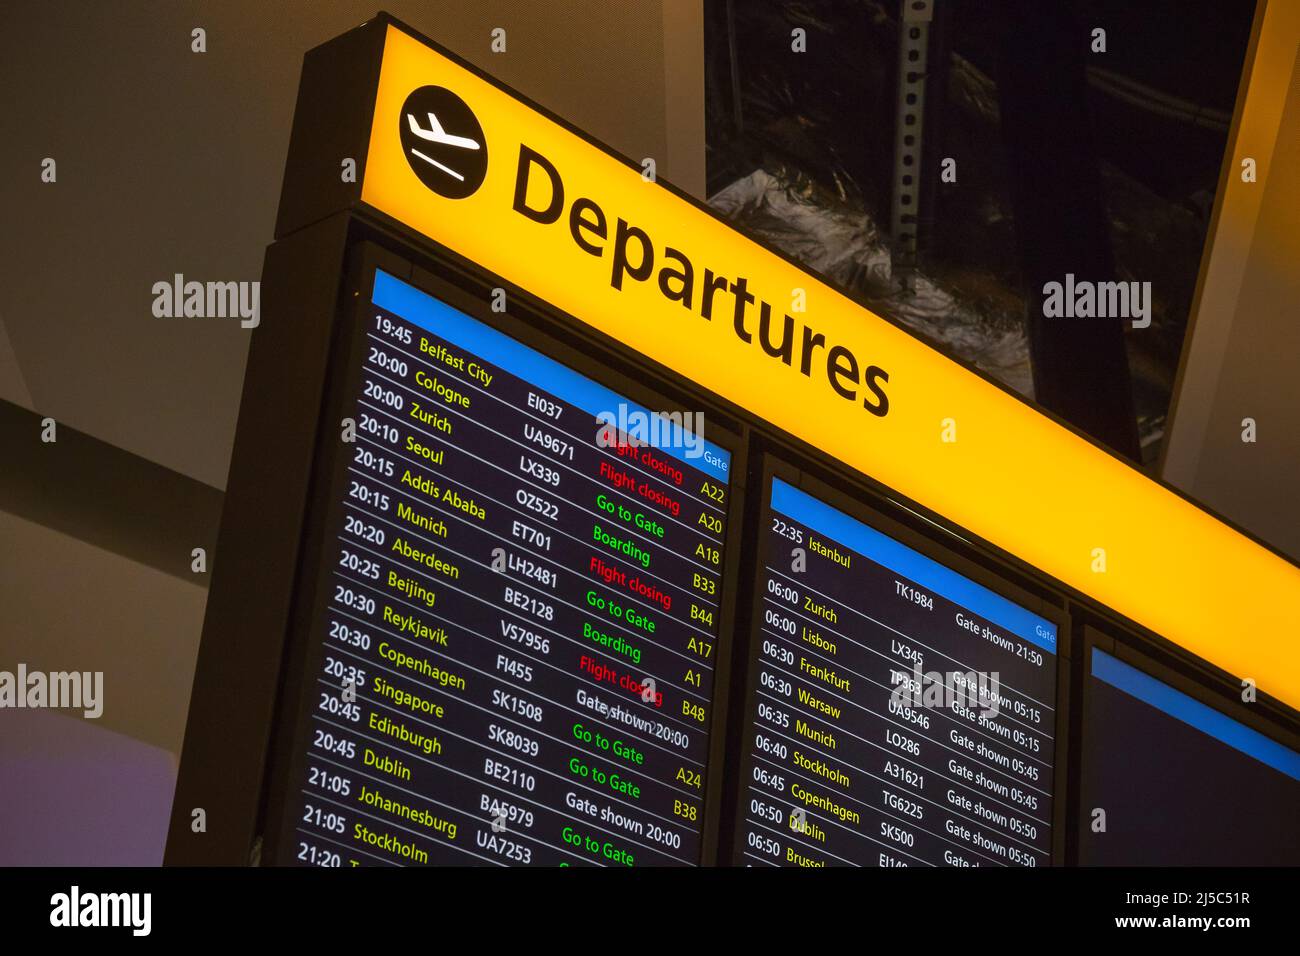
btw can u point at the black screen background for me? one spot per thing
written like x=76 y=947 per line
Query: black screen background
x=1175 y=796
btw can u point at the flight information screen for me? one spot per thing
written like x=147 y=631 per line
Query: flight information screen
x=1169 y=781
x=513 y=653
x=900 y=714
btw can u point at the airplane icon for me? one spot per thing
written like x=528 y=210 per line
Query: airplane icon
x=443 y=142
x=436 y=134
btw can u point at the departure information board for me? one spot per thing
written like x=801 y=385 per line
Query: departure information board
x=900 y=713
x=513 y=654
x=1179 y=783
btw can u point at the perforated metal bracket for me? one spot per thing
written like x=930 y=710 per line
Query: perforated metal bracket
x=914 y=41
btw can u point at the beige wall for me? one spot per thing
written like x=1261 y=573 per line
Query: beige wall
x=71 y=606
x=1242 y=357
x=170 y=161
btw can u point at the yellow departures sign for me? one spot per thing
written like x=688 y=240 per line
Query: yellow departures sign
x=588 y=233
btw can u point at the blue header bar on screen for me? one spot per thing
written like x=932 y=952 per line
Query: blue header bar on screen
x=602 y=403
x=931 y=575
x=1192 y=712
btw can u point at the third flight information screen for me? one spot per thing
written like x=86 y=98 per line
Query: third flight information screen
x=1169 y=781
x=900 y=714
x=511 y=657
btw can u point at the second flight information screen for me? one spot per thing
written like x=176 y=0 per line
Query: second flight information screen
x=511 y=660
x=900 y=714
